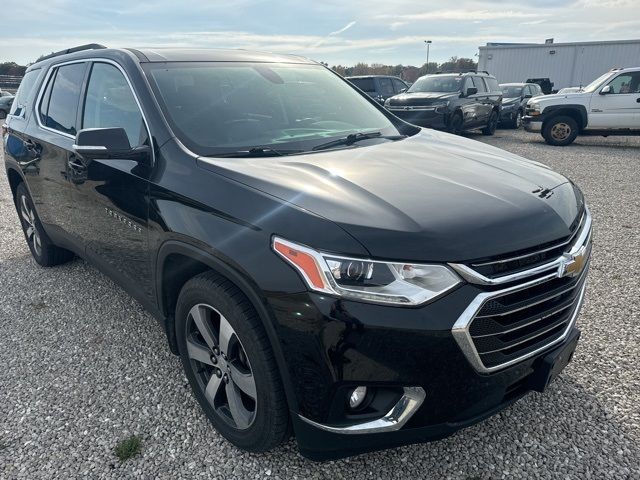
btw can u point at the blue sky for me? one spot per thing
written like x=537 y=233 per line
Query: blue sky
x=335 y=31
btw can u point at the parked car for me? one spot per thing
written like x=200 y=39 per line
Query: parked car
x=514 y=101
x=319 y=265
x=610 y=105
x=570 y=90
x=6 y=99
x=545 y=84
x=379 y=87
x=454 y=102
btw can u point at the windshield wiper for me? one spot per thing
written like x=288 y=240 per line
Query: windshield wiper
x=355 y=137
x=258 y=152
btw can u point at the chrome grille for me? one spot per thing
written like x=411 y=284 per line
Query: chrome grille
x=503 y=327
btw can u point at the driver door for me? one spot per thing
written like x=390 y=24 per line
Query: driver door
x=620 y=108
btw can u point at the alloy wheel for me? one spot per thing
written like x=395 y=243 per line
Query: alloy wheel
x=518 y=120
x=560 y=131
x=221 y=366
x=29 y=225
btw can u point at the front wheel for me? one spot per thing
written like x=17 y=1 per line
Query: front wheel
x=517 y=120
x=490 y=129
x=44 y=252
x=560 y=131
x=456 y=124
x=229 y=363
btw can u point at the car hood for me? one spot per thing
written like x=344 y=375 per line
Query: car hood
x=430 y=197
x=555 y=98
x=421 y=98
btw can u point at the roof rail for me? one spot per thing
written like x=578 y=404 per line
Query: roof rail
x=88 y=46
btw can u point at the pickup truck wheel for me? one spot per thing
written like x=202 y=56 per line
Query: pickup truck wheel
x=560 y=131
x=517 y=121
x=455 y=126
x=490 y=129
x=229 y=363
x=44 y=252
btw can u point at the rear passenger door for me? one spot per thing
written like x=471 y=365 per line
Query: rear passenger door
x=52 y=135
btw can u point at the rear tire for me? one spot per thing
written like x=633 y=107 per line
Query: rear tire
x=490 y=129
x=44 y=252
x=231 y=367
x=560 y=131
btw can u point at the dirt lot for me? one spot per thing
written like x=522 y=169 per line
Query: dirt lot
x=84 y=367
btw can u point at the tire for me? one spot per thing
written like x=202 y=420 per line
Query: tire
x=3 y=114
x=560 y=131
x=224 y=374
x=516 y=123
x=456 y=124
x=492 y=124
x=44 y=252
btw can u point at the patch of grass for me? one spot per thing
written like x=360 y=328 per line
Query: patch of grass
x=128 y=448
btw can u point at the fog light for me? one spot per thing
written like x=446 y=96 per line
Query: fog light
x=357 y=396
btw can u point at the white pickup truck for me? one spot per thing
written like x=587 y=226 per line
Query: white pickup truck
x=610 y=105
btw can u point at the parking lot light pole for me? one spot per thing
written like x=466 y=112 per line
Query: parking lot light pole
x=428 y=42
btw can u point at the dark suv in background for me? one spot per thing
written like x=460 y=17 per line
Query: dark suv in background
x=379 y=87
x=451 y=101
x=514 y=102
x=319 y=265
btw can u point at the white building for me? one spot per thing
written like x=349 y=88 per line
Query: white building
x=565 y=64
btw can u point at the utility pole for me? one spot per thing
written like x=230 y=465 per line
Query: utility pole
x=428 y=42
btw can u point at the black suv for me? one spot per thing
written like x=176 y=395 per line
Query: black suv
x=379 y=87
x=319 y=265
x=514 y=101
x=453 y=101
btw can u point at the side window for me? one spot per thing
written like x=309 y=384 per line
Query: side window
x=479 y=84
x=398 y=85
x=25 y=91
x=466 y=85
x=626 y=83
x=386 y=87
x=109 y=102
x=364 y=84
x=529 y=90
x=59 y=105
x=492 y=84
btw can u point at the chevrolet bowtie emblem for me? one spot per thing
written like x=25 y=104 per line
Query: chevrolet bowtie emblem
x=572 y=264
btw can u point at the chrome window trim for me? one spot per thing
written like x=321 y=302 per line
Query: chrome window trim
x=471 y=276
x=395 y=419
x=53 y=66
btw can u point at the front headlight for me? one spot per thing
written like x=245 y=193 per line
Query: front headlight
x=369 y=280
x=533 y=108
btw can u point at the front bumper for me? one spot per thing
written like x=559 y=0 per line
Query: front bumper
x=461 y=358
x=431 y=117
x=532 y=124
x=318 y=444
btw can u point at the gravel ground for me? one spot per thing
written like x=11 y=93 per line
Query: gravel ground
x=84 y=367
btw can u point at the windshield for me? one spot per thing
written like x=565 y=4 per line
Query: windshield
x=437 y=83
x=220 y=107
x=511 y=92
x=593 y=86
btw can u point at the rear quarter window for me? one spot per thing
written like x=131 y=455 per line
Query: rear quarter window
x=26 y=92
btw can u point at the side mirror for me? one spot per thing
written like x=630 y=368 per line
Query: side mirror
x=471 y=91
x=108 y=143
x=403 y=90
x=605 y=90
x=528 y=95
